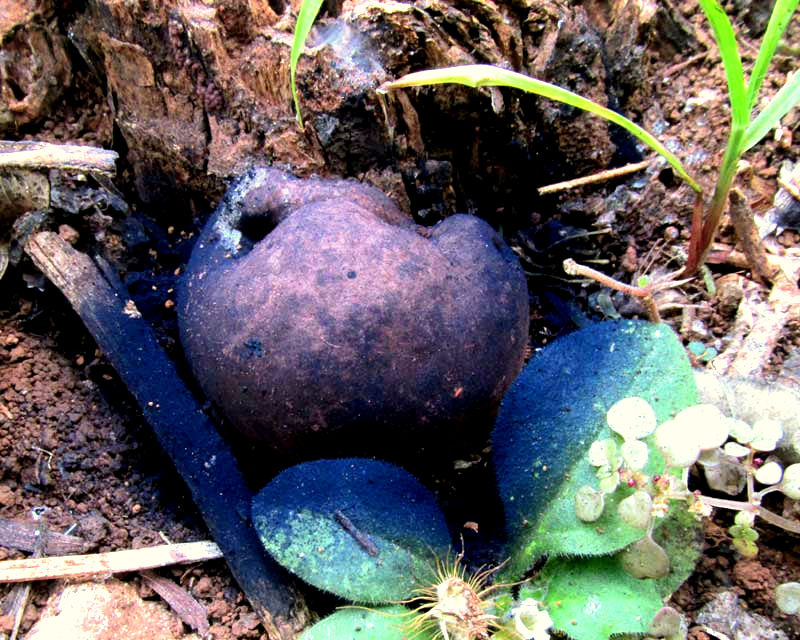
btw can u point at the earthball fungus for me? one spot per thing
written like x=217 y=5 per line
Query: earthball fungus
x=320 y=319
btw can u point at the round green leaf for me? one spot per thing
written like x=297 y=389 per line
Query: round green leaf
x=383 y=623
x=645 y=558
x=593 y=598
x=589 y=503
x=787 y=597
x=632 y=418
x=637 y=509
x=790 y=485
x=362 y=529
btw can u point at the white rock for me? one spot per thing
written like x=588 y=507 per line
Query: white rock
x=109 y=610
x=725 y=616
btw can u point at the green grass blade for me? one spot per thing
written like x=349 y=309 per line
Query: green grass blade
x=781 y=15
x=305 y=20
x=479 y=75
x=787 y=98
x=731 y=60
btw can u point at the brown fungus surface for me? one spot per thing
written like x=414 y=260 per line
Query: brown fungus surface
x=319 y=319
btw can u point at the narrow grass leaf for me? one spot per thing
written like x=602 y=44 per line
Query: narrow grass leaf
x=781 y=15
x=305 y=20
x=787 y=98
x=731 y=61
x=479 y=75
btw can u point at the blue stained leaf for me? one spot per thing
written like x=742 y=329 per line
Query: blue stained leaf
x=553 y=412
x=362 y=529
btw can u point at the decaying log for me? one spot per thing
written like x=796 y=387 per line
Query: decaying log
x=189 y=438
x=22 y=536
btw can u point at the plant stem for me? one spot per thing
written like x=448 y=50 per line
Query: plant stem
x=733 y=505
x=713 y=217
x=778 y=521
x=644 y=293
x=761 y=512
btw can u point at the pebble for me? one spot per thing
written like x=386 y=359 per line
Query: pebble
x=99 y=611
x=729 y=293
x=68 y=234
x=725 y=616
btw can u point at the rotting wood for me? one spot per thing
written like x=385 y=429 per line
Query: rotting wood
x=22 y=536
x=43 y=155
x=747 y=233
x=189 y=610
x=103 y=565
x=760 y=320
x=22 y=592
x=186 y=434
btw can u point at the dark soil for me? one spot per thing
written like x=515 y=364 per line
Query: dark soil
x=72 y=440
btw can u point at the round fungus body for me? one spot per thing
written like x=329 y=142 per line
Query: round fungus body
x=321 y=319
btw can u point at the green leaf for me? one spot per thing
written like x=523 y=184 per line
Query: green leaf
x=552 y=414
x=383 y=623
x=362 y=529
x=681 y=536
x=786 y=99
x=731 y=60
x=779 y=19
x=482 y=75
x=309 y=10
x=594 y=598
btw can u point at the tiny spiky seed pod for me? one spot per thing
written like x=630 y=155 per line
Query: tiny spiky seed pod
x=455 y=607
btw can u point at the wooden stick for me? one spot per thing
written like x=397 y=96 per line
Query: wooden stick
x=603 y=176
x=99 y=565
x=198 y=452
x=682 y=65
x=43 y=155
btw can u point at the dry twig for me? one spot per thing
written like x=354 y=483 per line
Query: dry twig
x=43 y=155
x=602 y=176
x=202 y=457
x=106 y=564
